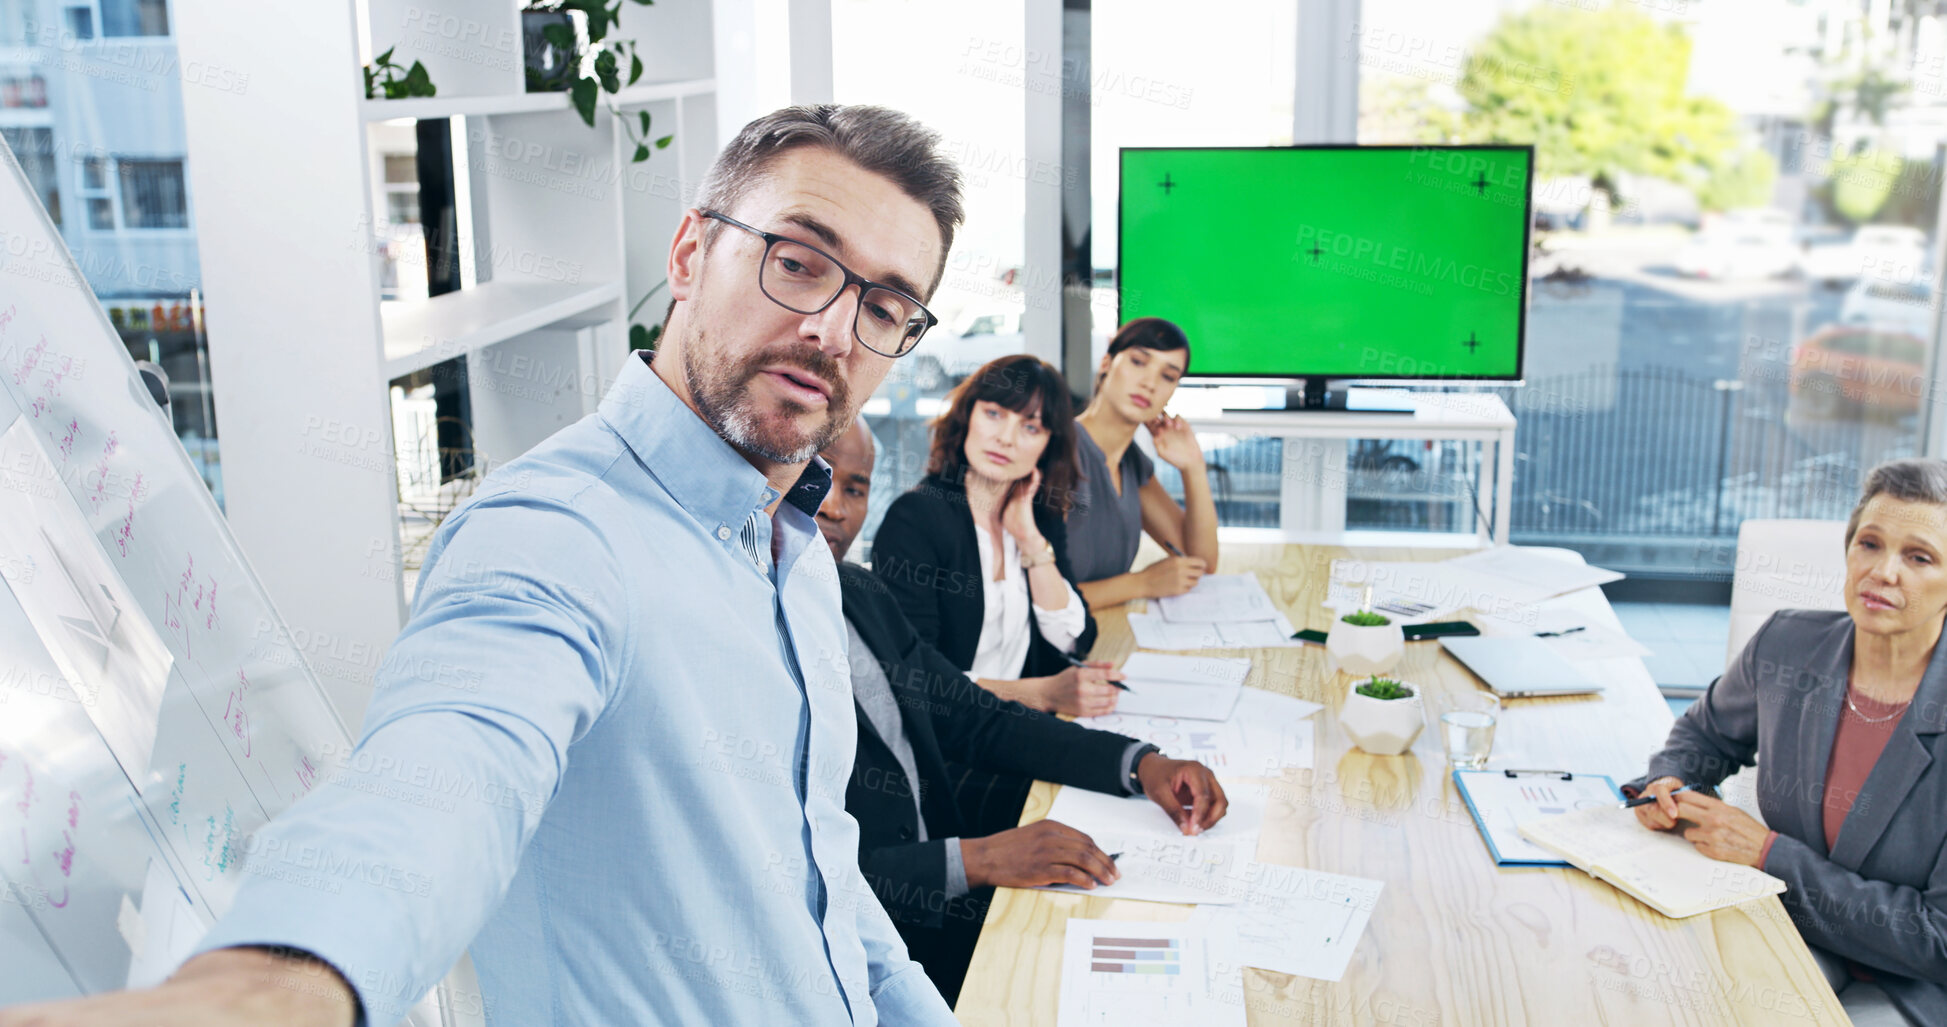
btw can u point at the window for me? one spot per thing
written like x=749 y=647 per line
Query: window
x=134 y=18
x=34 y=148
x=80 y=22
x=95 y=197
x=1711 y=246
x=402 y=169
x=149 y=281
x=402 y=208
x=976 y=103
x=152 y=193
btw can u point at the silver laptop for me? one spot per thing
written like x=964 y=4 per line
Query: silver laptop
x=1519 y=666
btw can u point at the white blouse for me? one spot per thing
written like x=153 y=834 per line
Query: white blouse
x=1003 y=648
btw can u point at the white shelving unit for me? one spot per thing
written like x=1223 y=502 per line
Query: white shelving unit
x=422 y=333
x=526 y=103
x=565 y=233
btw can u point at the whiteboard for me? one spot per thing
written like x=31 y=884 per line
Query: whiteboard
x=154 y=711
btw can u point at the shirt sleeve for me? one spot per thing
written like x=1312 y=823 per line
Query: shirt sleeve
x=956 y=869
x=391 y=866
x=1062 y=627
x=901 y=992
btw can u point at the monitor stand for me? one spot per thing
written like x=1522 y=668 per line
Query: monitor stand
x=1317 y=394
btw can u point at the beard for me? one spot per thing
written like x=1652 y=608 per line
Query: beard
x=721 y=388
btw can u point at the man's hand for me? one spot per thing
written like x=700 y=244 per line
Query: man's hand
x=1172 y=576
x=1660 y=815
x=1044 y=852
x=1081 y=691
x=225 y=988
x=1186 y=790
x=1723 y=831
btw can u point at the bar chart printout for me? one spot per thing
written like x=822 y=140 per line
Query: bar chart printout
x=1120 y=973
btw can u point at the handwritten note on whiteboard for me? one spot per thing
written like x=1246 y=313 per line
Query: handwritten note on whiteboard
x=162 y=706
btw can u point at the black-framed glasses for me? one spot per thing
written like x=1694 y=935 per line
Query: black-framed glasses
x=804 y=279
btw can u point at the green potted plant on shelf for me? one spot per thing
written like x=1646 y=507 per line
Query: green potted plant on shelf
x=1382 y=716
x=1364 y=642
x=397 y=83
x=586 y=80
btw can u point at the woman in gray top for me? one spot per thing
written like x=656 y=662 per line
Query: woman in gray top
x=1118 y=497
x=1845 y=715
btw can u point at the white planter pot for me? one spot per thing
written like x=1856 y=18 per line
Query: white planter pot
x=1365 y=651
x=1383 y=727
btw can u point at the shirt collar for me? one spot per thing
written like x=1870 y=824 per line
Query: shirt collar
x=708 y=478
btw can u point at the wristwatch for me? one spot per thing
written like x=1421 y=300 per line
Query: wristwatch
x=1047 y=555
x=1135 y=784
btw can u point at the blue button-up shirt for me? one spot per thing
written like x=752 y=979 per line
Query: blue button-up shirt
x=610 y=752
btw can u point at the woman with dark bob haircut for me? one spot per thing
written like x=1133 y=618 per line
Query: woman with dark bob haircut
x=976 y=553
x=1845 y=714
x=1118 y=497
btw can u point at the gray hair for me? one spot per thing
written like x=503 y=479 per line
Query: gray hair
x=1915 y=481
x=878 y=139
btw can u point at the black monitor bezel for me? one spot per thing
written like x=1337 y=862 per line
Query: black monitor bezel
x=1527 y=249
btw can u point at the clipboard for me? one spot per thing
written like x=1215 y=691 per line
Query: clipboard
x=1507 y=797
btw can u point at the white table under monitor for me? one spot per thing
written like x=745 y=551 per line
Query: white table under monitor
x=1312 y=486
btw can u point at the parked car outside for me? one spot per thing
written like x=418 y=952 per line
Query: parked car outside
x=1906 y=306
x=1852 y=369
x=1887 y=252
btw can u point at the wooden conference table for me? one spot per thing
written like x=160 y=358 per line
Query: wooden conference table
x=1453 y=939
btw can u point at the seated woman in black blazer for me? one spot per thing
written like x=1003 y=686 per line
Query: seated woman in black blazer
x=976 y=553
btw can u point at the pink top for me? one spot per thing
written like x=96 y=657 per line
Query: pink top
x=1864 y=726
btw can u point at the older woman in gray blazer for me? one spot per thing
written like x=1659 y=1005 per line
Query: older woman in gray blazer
x=1844 y=714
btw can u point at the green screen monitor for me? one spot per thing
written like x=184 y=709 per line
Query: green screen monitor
x=1369 y=263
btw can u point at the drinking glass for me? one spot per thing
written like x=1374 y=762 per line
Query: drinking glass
x=1467 y=728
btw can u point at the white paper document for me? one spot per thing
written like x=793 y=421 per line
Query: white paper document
x=1295 y=921
x=1220 y=597
x=1265 y=733
x=1501 y=804
x=1152 y=631
x=1492 y=581
x=1157 y=861
x=1131 y=973
x=1193 y=687
x=1525 y=576
x=1571 y=633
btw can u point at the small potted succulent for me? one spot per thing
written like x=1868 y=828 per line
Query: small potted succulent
x=1382 y=716
x=1365 y=643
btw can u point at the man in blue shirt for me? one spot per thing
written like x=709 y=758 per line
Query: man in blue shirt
x=638 y=816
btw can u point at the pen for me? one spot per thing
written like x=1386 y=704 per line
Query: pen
x=1171 y=546
x=1078 y=664
x=1564 y=631
x=1646 y=798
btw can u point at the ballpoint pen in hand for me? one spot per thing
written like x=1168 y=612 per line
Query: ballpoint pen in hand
x=1647 y=797
x=1083 y=664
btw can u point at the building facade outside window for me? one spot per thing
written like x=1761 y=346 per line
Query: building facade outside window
x=91 y=105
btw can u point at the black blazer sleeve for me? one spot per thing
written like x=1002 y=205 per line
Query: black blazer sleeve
x=974 y=726
x=909 y=879
x=906 y=557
